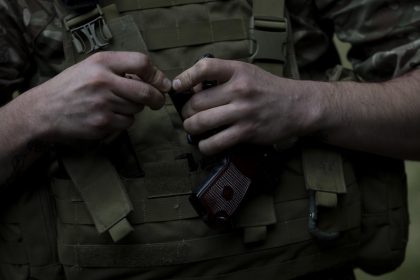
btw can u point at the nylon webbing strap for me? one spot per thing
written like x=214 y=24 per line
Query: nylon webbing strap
x=130 y=5
x=195 y=33
x=269 y=33
x=255 y=215
x=177 y=252
x=324 y=173
x=103 y=192
x=323 y=170
x=288 y=266
x=173 y=177
x=268 y=10
x=144 y=211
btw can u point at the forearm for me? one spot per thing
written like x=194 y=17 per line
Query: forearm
x=382 y=118
x=19 y=138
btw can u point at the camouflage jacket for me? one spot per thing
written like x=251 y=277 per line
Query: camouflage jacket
x=384 y=36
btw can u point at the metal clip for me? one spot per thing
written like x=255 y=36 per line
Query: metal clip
x=312 y=222
x=89 y=31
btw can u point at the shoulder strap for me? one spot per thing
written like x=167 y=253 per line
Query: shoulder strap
x=269 y=35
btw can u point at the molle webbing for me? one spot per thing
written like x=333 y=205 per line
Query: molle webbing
x=130 y=5
x=184 y=34
x=151 y=202
x=177 y=252
x=195 y=34
x=289 y=229
x=180 y=252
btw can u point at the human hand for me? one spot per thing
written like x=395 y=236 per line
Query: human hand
x=97 y=97
x=248 y=105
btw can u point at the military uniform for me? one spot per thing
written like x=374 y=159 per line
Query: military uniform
x=169 y=240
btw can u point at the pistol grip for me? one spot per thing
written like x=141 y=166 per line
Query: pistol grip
x=217 y=199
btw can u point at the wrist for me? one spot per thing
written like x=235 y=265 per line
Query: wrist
x=315 y=108
x=28 y=116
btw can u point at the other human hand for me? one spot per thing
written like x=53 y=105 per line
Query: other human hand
x=98 y=96
x=248 y=105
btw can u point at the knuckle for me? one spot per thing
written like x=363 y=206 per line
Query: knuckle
x=195 y=103
x=218 y=144
x=146 y=94
x=99 y=57
x=98 y=78
x=241 y=86
x=158 y=77
x=143 y=60
x=99 y=103
x=193 y=124
x=203 y=65
x=100 y=122
x=200 y=121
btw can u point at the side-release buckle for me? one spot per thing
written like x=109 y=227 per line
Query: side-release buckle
x=89 y=31
x=269 y=39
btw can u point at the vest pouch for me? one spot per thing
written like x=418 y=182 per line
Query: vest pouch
x=14 y=263
x=385 y=219
x=27 y=232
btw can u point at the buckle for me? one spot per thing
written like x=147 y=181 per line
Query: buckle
x=269 y=39
x=89 y=31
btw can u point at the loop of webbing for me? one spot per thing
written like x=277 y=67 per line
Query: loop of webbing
x=188 y=34
x=255 y=216
x=324 y=178
x=323 y=170
x=129 y=5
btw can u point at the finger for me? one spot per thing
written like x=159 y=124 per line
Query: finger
x=205 y=69
x=101 y=125
x=136 y=63
x=206 y=99
x=221 y=141
x=132 y=76
x=123 y=106
x=138 y=92
x=211 y=119
x=156 y=78
x=121 y=122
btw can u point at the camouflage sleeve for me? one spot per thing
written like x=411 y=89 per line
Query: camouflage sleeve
x=14 y=50
x=385 y=35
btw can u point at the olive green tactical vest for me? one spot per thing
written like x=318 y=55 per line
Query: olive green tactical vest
x=95 y=220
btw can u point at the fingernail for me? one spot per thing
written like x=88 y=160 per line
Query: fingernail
x=167 y=84
x=176 y=84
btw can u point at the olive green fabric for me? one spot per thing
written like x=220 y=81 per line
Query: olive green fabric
x=102 y=190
